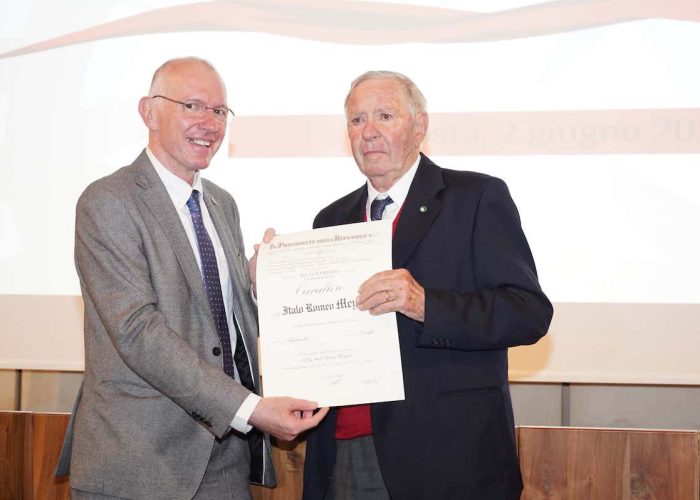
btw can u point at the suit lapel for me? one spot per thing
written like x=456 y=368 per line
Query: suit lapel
x=418 y=211
x=156 y=197
x=236 y=273
x=354 y=211
x=257 y=442
x=233 y=256
x=417 y=214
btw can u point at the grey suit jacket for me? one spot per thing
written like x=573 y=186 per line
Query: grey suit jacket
x=154 y=396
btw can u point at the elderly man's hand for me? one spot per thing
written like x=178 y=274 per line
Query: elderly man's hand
x=392 y=291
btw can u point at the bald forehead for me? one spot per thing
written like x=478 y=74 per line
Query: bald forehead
x=180 y=71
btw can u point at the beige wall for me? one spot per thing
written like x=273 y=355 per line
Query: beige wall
x=660 y=407
x=41 y=390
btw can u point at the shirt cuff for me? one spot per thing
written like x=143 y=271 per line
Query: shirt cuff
x=240 y=419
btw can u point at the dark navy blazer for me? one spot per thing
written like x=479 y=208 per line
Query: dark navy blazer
x=453 y=436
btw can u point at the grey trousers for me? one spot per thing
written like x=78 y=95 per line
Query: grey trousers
x=88 y=495
x=356 y=474
x=222 y=481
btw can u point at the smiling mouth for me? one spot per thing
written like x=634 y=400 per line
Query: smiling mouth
x=199 y=142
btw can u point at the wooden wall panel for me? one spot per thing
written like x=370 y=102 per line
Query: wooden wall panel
x=664 y=465
x=608 y=464
x=15 y=464
x=558 y=463
x=289 y=466
x=47 y=438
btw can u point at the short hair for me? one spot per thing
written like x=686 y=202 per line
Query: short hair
x=156 y=80
x=416 y=99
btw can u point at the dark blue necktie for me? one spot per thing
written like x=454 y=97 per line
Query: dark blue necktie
x=212 y=286
x=377 y=207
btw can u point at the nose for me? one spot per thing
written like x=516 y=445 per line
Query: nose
x=209 y=122
x=370 y=131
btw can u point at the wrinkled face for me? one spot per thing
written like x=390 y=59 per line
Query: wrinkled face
x=183 y=142
x=384 y=135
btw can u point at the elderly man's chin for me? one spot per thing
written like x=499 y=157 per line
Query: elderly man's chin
x=375 y=164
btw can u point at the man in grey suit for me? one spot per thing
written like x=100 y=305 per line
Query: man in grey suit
x=168 y=304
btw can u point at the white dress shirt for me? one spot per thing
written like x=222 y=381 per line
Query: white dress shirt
x=398 y=193
x=180 y=191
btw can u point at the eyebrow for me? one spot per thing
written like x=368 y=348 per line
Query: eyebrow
x=198 y=99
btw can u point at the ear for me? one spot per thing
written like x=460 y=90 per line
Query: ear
x=421 y=127
x=147 y=113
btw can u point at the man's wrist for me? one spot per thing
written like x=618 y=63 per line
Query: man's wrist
x=240 y=419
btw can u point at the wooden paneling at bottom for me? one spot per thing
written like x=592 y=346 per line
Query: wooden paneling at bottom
x=47 y=438
x=288 y=458
x=558 y=463
x=664 y=465
x=15 y=465
x=604 y=464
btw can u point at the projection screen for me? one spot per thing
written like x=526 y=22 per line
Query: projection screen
x=589 y=110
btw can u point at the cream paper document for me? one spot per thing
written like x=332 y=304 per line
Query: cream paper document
x=314 y=342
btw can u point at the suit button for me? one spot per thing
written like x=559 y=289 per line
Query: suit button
x=216 y=351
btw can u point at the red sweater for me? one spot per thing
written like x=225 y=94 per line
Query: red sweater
x=355 y=421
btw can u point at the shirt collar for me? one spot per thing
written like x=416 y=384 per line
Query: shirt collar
x=399 y=190
x=179 y=190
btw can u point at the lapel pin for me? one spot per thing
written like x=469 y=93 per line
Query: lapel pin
x=213 y=200
x=423 y=209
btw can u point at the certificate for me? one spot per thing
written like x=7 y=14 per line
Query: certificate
x=314 y=342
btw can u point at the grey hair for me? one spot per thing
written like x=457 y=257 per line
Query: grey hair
x=156 y=80
x=416 y=99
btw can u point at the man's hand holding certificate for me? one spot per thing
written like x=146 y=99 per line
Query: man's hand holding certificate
x=315 y=343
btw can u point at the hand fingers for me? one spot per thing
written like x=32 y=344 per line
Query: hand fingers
x=385 y=280
x=392 y=291
x=375 y=287
x=377 y=299
x=308 y=421
x=383 y=308
x=302 y=404
x=269 y=235
x=376 y=279
x=380 y=290
x=314 y=420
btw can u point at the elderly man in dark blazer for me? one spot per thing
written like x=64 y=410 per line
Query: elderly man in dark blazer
x=464 y=288
x=168 y=407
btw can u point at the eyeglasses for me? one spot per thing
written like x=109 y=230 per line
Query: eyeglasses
x=198 y=108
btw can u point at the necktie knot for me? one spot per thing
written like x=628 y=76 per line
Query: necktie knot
x=376 y=209
x=193 y=202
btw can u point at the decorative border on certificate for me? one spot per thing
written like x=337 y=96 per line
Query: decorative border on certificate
x=314 y=342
